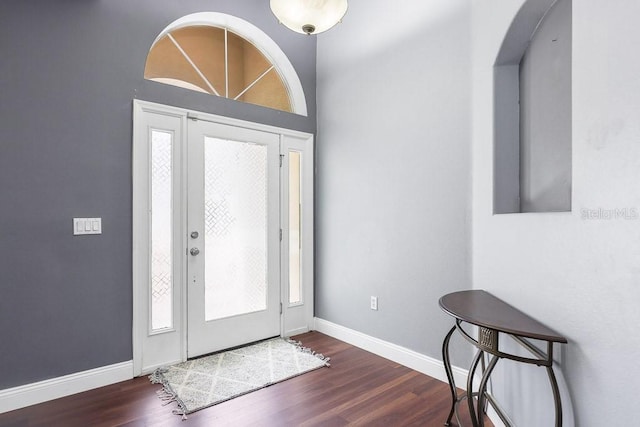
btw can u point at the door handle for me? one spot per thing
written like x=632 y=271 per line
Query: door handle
x=194 y=251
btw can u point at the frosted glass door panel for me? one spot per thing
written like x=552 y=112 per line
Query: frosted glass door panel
x=294 y=227
x=235 y=225
x=161 y=228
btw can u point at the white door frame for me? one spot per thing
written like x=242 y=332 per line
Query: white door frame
x=152 y=349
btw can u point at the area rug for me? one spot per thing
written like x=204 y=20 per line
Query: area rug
x=199 y=383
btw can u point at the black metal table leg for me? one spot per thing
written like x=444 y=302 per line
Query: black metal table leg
x=448 y=370
x=472 y=374
x=483 y=389
x=556 y=395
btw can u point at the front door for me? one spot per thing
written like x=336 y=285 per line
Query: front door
x=222 y=234
x=233 y=267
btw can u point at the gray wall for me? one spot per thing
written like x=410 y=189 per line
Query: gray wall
x=545 y=115
x=578 y=271
x=393 y=161
x=69 y=72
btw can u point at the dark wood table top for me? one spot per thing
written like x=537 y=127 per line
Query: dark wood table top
x=480 y=308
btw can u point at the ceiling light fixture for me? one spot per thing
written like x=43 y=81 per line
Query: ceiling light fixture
x=309 y=16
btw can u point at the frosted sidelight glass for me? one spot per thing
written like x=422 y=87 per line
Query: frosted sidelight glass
x=235 y=220
x=161 y=242
x=294 y=228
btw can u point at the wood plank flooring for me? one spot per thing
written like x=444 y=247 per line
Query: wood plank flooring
x=359 y=389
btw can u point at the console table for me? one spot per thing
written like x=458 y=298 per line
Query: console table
x=494 y=318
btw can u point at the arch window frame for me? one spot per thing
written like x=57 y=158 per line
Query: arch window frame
x=262 y=42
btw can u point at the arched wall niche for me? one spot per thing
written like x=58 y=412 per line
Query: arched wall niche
x=237 y=28
x=532 y=74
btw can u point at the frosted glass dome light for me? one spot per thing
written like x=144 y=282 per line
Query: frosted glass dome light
x=309 y=16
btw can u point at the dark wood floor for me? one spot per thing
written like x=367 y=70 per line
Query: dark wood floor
x=358 y=389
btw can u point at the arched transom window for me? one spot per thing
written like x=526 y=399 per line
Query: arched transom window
x=225 y=56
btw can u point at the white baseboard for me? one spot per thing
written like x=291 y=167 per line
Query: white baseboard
x=409 y=358
x=31 y=394
x=412 y=359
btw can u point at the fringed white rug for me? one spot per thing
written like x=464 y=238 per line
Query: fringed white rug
x=207 y=381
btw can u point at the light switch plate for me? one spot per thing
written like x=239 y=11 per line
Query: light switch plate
x=87 y=226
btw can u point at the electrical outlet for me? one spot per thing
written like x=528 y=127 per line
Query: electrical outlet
x=374 y=303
